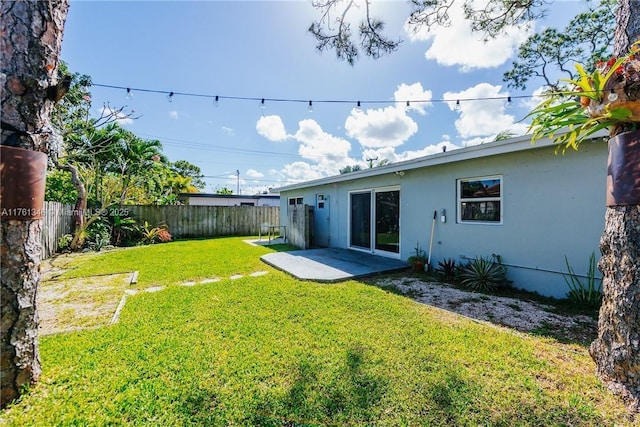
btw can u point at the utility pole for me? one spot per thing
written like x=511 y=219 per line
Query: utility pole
x=371 y=160
x=238 y=181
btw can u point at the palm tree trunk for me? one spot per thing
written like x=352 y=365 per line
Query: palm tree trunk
x=30 y=40
x=616 y=350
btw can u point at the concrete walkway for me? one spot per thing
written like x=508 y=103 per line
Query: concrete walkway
x=331 y=264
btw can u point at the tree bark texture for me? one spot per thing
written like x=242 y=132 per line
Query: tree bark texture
x=616 y=350
x=30 y=40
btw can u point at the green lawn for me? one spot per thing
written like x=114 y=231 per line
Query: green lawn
x=275 y=351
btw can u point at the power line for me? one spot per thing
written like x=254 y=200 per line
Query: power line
x=196 y=145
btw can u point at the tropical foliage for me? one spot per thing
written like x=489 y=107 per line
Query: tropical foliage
x=102 y=164
x=584 y=292
x=602 y=99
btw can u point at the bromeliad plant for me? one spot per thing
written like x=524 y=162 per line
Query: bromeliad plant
x=604 y=99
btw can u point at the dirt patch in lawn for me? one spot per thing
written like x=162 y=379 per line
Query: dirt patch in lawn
x=81 y=303
x=523 y=315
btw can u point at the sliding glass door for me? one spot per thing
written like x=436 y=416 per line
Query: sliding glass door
x=387 y=226
x=361 y=220
x=375 y=220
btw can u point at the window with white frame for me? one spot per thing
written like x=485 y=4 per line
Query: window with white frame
x=480 y=200
x=295 y=201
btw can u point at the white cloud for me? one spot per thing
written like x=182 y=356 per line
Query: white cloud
x=252 y=173
x=393 y=157
x=173 y=115
x=537 y=98
x=477 y=141
x=228 y=131
x=319 y=146
x=382 y=127
x=272 y=128
x=413 y=92
x=326 y=153
x=301 y=171
x=484 y=117
x=456 y=44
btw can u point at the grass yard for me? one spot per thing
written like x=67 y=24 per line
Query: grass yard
x=273 y=351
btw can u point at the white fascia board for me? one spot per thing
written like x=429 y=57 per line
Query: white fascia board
x=512 y=145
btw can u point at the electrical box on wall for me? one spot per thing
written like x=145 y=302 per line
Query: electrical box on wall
x=443 y=216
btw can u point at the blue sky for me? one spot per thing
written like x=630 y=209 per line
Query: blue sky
x=261 y=49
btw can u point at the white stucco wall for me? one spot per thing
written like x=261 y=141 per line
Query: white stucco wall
x=233 y=201
x=553 y=205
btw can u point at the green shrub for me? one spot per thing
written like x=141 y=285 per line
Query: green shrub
x=64 y=243
x=446 y=270
x=124 y=231
x=587 y=294
x=98 y=234
x=483 y=274
x=151 y=235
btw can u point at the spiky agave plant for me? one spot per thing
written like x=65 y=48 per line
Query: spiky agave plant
x=483 y=274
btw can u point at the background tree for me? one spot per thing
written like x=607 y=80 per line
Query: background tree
x=60 y=188
x=504 y=135
x=552 y=53
x=350 y=168
x=616 y=351
x=107 y=164
x=30 y=41
x=189 y=170
x=224 y=191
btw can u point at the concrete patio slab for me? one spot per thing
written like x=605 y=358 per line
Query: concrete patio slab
x=331 y=264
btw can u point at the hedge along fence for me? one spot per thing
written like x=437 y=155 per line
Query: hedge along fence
x=207 y=221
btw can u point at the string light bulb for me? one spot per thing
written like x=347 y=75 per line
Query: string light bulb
x=310 y=107
x=216 y=101
x=170 y=97
x=407 y=107
x=358 y=107
x=458 y=107
x=129 y=94
x=262 y=105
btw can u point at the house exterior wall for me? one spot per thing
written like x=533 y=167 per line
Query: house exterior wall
x=552 y=206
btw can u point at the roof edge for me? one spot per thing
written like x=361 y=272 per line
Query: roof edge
x=511 y=145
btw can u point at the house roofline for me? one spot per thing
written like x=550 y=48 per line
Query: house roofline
x=511 y=145
x=230 y=196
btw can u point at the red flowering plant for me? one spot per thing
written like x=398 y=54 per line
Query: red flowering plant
x=604 y=99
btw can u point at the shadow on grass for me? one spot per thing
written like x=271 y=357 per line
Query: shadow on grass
x=317 y=396
x=352 y=395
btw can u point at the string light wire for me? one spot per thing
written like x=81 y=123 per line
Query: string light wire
x=262 y=100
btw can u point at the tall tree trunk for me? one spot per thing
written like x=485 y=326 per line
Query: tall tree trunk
x=616 y=351
x=30 y=40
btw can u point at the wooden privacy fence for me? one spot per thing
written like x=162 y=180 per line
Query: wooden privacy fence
x=207 y=221
x=56 y=222
x=300 y=226
x=182 y=221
